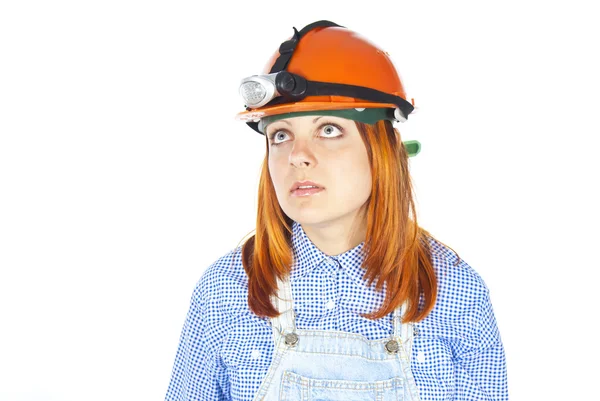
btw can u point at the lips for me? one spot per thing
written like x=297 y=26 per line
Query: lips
x=298 y=184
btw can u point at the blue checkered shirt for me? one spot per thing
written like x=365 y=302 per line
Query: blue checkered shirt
x=225 y=350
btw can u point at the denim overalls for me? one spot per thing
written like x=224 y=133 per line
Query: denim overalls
x=319 y=365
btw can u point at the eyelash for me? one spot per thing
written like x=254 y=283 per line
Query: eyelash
x=320 y=127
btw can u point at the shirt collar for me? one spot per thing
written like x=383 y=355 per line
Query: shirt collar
x=307 y=257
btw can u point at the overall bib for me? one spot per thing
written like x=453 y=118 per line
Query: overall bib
x=319 y=365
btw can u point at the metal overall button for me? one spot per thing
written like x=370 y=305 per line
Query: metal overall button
x=291 y=339
x=392 y=347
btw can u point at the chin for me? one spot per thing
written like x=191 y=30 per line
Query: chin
x=310 y=217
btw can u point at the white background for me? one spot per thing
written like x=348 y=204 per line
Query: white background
x=123 y=174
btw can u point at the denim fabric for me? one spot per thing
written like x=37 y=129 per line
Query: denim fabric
x=327 y=365
x=225 y=350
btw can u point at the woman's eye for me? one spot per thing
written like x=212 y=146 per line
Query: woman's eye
x=330 y=129
x=277 y=135
x=326 y=130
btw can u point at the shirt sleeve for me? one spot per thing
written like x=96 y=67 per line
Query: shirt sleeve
x=198 y=373
x=479 y=359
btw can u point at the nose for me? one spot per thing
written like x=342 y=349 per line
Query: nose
x=302 y=155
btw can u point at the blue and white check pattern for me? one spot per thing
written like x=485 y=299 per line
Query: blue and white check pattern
x=225 y=350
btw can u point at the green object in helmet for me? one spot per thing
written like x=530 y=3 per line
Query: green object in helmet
x=413 y=147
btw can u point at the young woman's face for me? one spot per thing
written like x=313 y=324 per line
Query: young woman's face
x=328 y=151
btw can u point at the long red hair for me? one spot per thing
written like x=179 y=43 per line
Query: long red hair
x=396 y=249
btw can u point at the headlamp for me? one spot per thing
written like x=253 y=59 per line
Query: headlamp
x=283 y=86
x=259 y=90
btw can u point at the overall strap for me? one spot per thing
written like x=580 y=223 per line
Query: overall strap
x=403 y=330
x=283 y=301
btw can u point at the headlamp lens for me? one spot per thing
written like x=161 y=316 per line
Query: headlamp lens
x=253 y=93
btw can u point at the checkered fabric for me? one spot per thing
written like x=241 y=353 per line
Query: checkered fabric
x=225 y=350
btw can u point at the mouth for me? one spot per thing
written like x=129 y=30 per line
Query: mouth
x=304 y=192
x=305 y=185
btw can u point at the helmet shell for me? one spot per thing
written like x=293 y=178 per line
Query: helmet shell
x=335 y=55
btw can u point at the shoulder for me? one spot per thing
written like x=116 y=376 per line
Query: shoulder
x=460 y=287
x=462 y=315
x=223 y=286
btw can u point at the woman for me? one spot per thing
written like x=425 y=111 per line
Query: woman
x=339 y=295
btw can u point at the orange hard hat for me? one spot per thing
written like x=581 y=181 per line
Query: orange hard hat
x=332 y=68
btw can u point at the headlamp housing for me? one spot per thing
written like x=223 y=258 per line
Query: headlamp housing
x=258 y=90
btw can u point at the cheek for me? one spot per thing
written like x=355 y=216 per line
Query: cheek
x=275 y=171
x=352 y=174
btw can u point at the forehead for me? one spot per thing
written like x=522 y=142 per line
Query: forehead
x=298 y=119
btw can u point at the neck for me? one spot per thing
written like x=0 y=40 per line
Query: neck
x=336 y=237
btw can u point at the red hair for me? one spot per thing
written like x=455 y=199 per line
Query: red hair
x=396 y=249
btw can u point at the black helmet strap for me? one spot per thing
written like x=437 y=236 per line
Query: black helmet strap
x=286 y=49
